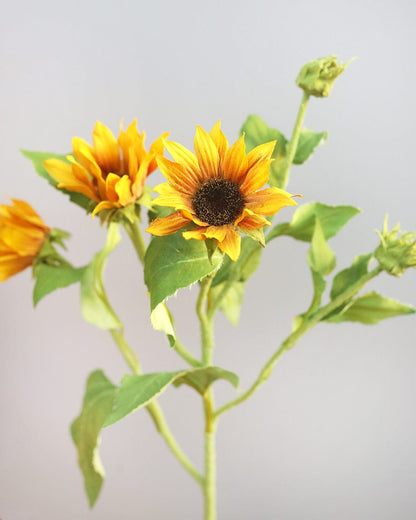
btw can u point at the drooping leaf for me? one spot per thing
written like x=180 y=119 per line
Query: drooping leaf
x=320 y=256
x=244 y=267
x=308 y=141
x=332 y=219
x=162 y=320
x=202 y=378
x=370 y=309
x=52 y=277
x=138 y=391
x=94 y=304
x=231 y=304
x=37 y=159
x=172 y=263
x=349 y=276
x=85 y=430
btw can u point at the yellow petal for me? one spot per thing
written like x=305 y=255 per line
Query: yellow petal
x=269 y=201
x=250 y=220
x=84 y=154
x=106 y=148
x=123 y=190
x=231 y=245
x=157 y=148
x=172 y=198
x=24 y=212
x=235 y=161
x=167 y=225
x=206 y=153
x=71 y=177
x=139 y=179
x=110 y=187
x=262 y=152
x=220 y=141
x=105 y=204
x=218 y=232
x=186 y=158
x=13 y=265
x=176 y=174
x=256 y=178
x=196 y=234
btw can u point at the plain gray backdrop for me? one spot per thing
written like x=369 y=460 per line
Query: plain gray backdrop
x=332 y=433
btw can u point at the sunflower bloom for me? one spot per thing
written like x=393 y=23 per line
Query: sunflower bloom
x=111 y=172
x=22 y=235
x=217 y=189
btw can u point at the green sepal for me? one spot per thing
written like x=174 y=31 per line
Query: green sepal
x=332 y=219
x=94 y=304
x=369 y=309
x=321 y=258
x=37 y=159
x=162 y=320
x=85 y=430
x=137 y=391
x=172 y=263
x=211 y=245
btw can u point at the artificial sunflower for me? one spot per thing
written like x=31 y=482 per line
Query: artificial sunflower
x=22 y=235
x=111 y=172
x=216 y=189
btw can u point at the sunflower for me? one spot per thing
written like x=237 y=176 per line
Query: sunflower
x=22 y=235
x=111 y=172
x=216 y=189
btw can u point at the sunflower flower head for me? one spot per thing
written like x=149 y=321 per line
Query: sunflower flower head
x=112 y=172
x=216 y=189
x=22 y=236
x=397 y=250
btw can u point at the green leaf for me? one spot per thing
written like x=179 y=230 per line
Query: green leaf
x=320 y=256
x=370 y=309
x=85 y=430
x=231 y=304
x=37 y=159
x=244 y=267
x=94 y=304
x=162 y=320
x=172 y=263
x=257 y=132
x=332 y=219
x=138 y=391
x=51 y=277
x=202 y=378
x=308 y=141
x=349 y=276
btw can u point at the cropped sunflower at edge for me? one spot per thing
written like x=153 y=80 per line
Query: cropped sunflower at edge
x=110 y=172
x=217 y=189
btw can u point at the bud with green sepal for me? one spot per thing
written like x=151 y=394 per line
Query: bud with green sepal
x=397 y=250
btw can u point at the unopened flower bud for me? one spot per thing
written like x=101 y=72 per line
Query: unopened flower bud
x=397 y=250
x=317 y=77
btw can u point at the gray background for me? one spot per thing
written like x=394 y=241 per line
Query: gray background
x=332 y=434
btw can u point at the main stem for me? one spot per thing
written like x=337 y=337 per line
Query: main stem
x=207 y=338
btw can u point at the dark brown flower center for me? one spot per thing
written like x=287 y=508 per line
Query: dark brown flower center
x=218 y=202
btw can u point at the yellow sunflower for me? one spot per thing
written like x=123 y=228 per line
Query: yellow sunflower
x=216 y=189
x=22 y=235
x=111 y=172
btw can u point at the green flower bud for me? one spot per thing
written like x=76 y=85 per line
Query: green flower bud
x=317 y=77
x=397 y=250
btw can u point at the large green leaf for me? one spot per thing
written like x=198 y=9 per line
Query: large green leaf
x=172 y=263
x=37 y=159
x=320 y=256
x=52 y=277
x=244 y=267
x=370 y=309
x=332 y=219
x=138 y=391
x=94 y=304
x=308 y=141
x=85 y=430
x=232 y=301
x=349 y=276
x=162 y=320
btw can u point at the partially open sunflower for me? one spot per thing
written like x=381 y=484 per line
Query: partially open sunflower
x=216 y=189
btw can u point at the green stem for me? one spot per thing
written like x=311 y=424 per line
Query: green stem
x=210 y=457
x=291 y=340
x=293 y=144
x=207 y=335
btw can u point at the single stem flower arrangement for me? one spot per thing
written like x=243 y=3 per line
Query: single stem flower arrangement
x=208 y=225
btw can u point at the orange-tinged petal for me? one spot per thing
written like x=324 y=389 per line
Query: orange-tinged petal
x=231 y=245
x=256 y=177
x=235 y=161
x=23 y=241
x=196 y=234
x=140 y=177
x=84 y=154
x=11 y=266
x=186 y=158
x=204 y=232
x=262 y=152
x=250 y=220
x=170 y=197
x=168 y=225
x=105 y=204
x=59 y=170
x=110 y=187
x=269 y=201
x=220 y=141
x=206 y=153
x=156 y=149
x=106 y=148
x=177 y=175
x=23 y=212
